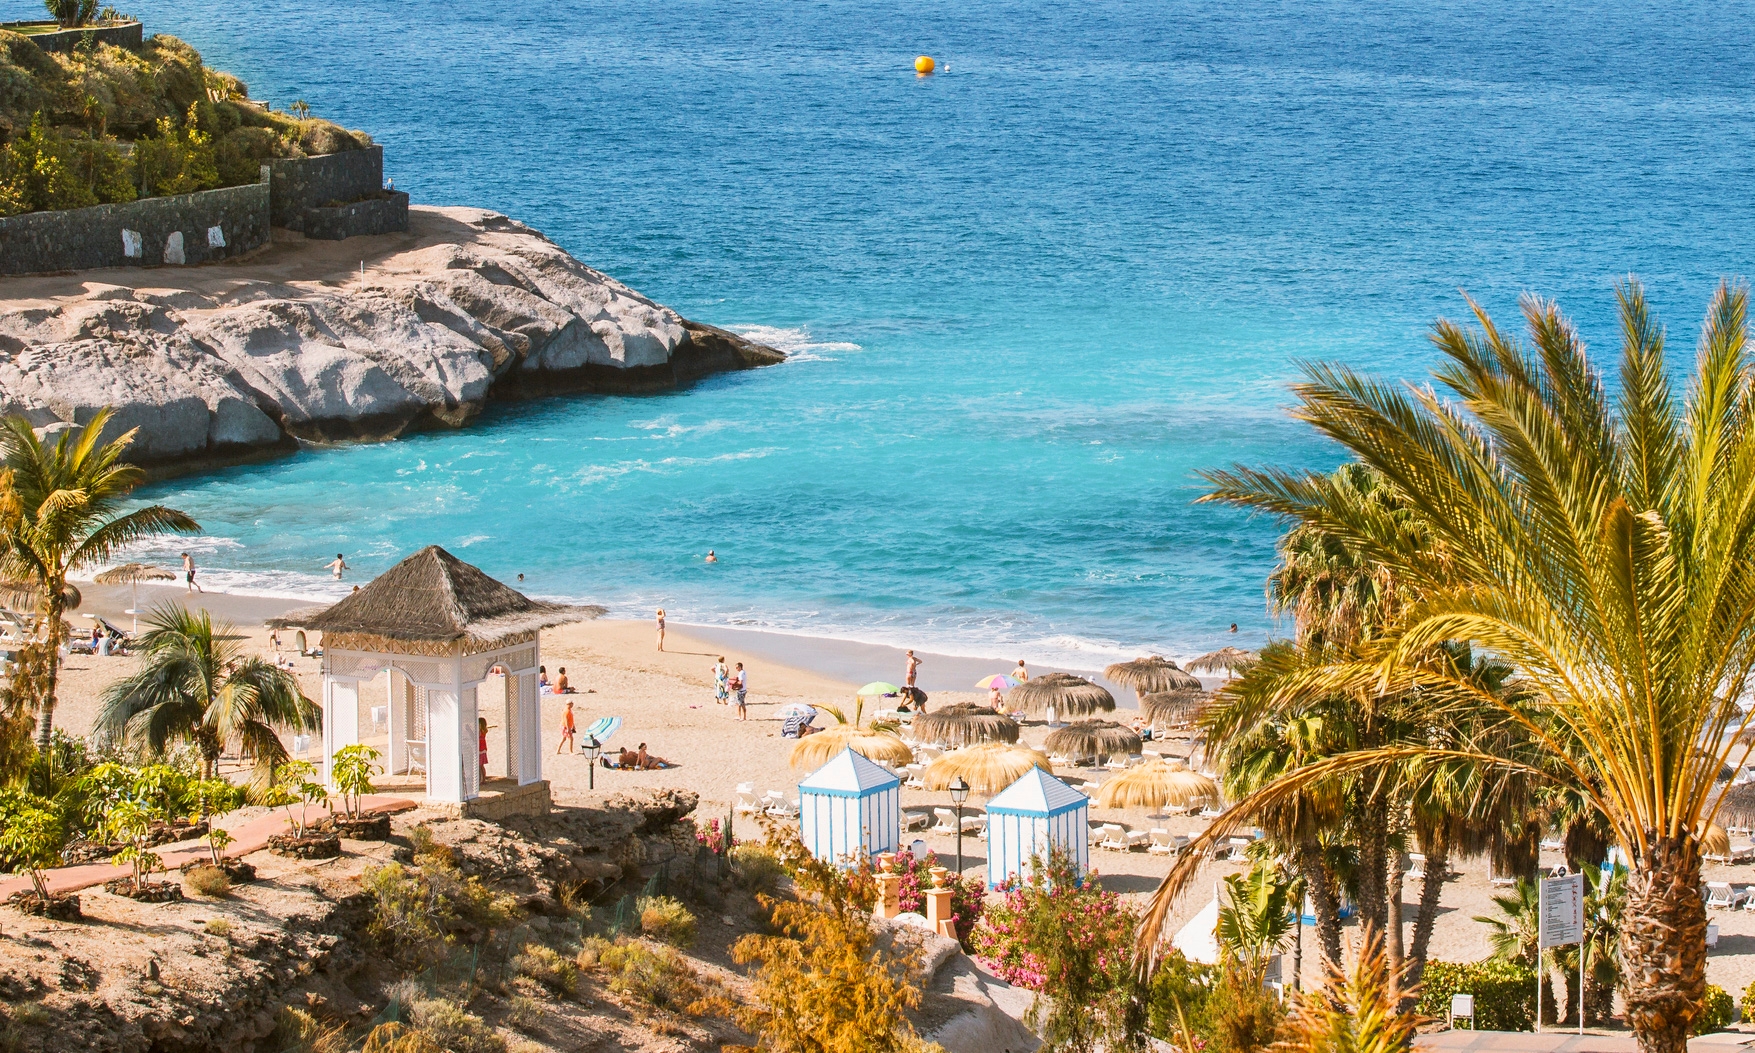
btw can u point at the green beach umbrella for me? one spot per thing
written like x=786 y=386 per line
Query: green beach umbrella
x=878 y=687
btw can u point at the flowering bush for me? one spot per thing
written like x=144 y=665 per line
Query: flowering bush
x=1062 y=934
x=968 y=895
x=712 y=836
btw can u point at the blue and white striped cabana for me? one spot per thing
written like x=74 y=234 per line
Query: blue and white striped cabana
x=850 y=808
x=1032 y=815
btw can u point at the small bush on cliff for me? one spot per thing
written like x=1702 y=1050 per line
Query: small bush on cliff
x=420 y=911
x=666 y=919
x=453 y=1028
x=756 y=867
x=45 y=169
x=547 y=967
x=656 y=976
x=207 y=881
x=178 y=160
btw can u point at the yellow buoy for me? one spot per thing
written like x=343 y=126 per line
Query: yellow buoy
x=924 y=65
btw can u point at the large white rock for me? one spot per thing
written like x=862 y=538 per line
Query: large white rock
x=365 y=338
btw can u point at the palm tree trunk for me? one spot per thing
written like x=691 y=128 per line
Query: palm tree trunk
x=1663 y=946
x=1322 y=898
x=1373 y=905
x=1394 y=909
x=52 y=610
x=1298 y=945
x=1431 y=889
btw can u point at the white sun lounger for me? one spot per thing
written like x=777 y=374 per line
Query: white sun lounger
x=1114 y=837
x=947 y=821
x=746 y=799
x=1721 y=895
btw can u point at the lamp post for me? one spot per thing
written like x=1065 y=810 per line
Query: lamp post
x=959 y=793
x=591 y=748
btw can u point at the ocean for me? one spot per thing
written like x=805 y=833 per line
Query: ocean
x=1027 y=298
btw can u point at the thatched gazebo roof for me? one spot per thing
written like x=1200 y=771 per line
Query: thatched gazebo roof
x=964 y=724
x=1156 y=784
x=814 y=751
x=1093 y=739
x=1174 y=708
x=1071 y=696
x=988 y=767
x=1147 y=675
x=1230 y=659
x=433 y=602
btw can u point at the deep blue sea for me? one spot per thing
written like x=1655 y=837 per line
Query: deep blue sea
x=1027 y=298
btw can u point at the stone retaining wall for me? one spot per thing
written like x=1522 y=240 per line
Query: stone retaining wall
x=122 y=35
x=186 y=228
x=374 y=215
x=304 y=183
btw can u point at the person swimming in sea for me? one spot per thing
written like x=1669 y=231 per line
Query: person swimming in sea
x=711 y=558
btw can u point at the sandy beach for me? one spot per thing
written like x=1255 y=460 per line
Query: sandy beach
x=666 y=701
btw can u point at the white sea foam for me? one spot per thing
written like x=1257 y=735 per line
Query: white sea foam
x=797 y=343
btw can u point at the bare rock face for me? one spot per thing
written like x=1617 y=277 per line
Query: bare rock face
x=328 y=341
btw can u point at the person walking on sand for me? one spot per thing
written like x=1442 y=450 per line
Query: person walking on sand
x=740 y=683
x=1020 y=674
x=567 y=728
x=720 y=676
x=661 y=628
x=337 y=565
x=189 y=582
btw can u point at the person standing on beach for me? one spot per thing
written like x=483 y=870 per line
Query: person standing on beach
x=720 y=676
x=189 y=583
x=481 y=732
x=337 y=565
x=661 y=628
x=1020 y=674
x=913 y=671
x=740 y=683
x=567 y=728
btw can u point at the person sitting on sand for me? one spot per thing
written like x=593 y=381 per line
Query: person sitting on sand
x=1143 y=728
x=646 y=762
x=627 y=758
x=561 y=685
x=993 y=699
x=542 y=676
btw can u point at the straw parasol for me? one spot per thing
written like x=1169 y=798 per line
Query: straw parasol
x=1230 y=659
x=131 y=575
x=1157 y=784
x=1737 y=806
x=814 y=751
x=988 y=767
x=1097 y=739
x=964 y=724
x=1147 y=675
x=1715 y=842
x=1173 y=708
x=1070 y=696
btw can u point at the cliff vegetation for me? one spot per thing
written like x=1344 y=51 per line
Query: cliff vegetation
x=105 y=124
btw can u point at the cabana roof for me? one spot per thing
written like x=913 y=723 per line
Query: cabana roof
x=434 y=598
x=848 y=775
x=1039 y=794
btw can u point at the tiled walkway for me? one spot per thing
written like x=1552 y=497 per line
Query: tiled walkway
x=1465 y=1041
x=250 y=837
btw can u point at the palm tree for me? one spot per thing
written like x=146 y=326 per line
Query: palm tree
x=60 y=514
x=195 y=683
x=1604 y=549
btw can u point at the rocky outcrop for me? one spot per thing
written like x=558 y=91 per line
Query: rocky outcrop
x=323 y=341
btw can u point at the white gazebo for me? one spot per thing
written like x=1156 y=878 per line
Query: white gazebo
x=432 y=632
x=850 y=808
x=1028 y=818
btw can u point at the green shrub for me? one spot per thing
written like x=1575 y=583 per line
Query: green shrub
x=45 y=169
x=1716 y=1010
x=756 y=867
x=218 y=927
x=207 y=881
x=179 y=160
x=1179 y=995
x=666 y=919
x=453 y=1028
x=547 y=967
x=656 y=976
x=1746 y=1007
x=420 y=910
x=526 y=1014
x=1505 y=997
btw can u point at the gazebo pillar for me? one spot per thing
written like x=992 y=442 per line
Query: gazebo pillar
x=341 y=718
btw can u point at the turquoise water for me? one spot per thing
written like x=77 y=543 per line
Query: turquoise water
x=1028 y=297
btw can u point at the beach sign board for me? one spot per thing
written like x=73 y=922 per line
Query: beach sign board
x=1562 y=909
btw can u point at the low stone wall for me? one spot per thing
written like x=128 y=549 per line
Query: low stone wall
x=186 y=228
x=375 y=215
x=122 y=34
x=533 y=799
x=304 y=183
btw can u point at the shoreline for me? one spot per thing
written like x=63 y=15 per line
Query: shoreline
x=849 y=662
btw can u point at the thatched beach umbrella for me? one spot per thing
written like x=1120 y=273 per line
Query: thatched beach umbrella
x=1149 y=675
x=1715 y=842
x=1231 y=659
x=1158 y=784
x=964 y=724
x=814 y=751
x=1068 y=695
x=1093 y=739
x=1737 y=806
x=131 y=575
x=988 y=767
x=1174 y=708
